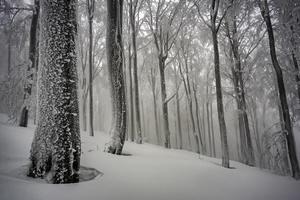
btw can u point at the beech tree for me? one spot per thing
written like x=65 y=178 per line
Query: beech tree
x=288 y=129
x=32 y=66
x=114 y=50
x=55 y=150
x=214 y=26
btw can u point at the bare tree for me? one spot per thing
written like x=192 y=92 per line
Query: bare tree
x=164 y=31
x=264 y=8
x=114 y=47
x=214 y=27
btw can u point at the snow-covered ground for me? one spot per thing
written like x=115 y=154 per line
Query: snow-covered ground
x=145 y=172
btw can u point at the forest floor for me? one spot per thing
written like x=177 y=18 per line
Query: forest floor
x=144 y=172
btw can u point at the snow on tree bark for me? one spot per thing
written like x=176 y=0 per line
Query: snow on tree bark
x=115 y=71
x=56 y=147
x=264 y=8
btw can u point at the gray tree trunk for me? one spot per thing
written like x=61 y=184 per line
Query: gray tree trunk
x=212 y=130
x=114 y=48
x=55 y=150
x=207 y=118
x=178 y=115
x=292 y=153
x=91 y=8
x=222 y=124
x=132 y=11
x=167 y=143
x=132 y=130
x=31 y=69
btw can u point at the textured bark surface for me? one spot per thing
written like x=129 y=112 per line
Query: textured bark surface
x=114 y=50
x=32 y=66
x=55 y=150
x=287 y=126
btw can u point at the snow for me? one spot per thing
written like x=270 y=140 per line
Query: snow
x=144 y=172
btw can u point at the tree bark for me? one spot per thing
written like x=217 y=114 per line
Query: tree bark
x=163 y=101
x=55 y=149
x=114 y=48
x=212 y=131
x=178 y=113
x=292 y=153
x=207 y=118
x=222 y=124
x=187 y=88
x=132 y=131
x=91 y=8
x=31 y=68
x=247 y=154
x=132 y=12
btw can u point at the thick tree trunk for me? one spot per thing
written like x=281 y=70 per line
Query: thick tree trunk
x=292 y=153
x=55 y=149
x=222 y=124
x=163 y=101
x=115 y=70
x=32 y=65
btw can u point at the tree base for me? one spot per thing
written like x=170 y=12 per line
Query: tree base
x=114 y=147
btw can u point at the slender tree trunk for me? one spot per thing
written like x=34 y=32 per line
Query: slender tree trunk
x=55 y=150
x=212 y=131
x=84 y=117
x=91 y=7
x=207 y=115
x=114 y=48
x=292 y=153
x=132 y=131
x=238 y=82
x=32 y=65
x=222 y=124
x=135 y=74
x=163 y=101
x=155 y=115
x=202 y=141
x=188 y=126
x=178 y=119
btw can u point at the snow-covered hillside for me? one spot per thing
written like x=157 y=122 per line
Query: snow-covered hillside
x=145 y=172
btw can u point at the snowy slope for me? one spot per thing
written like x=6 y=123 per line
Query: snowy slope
x=146 y=172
